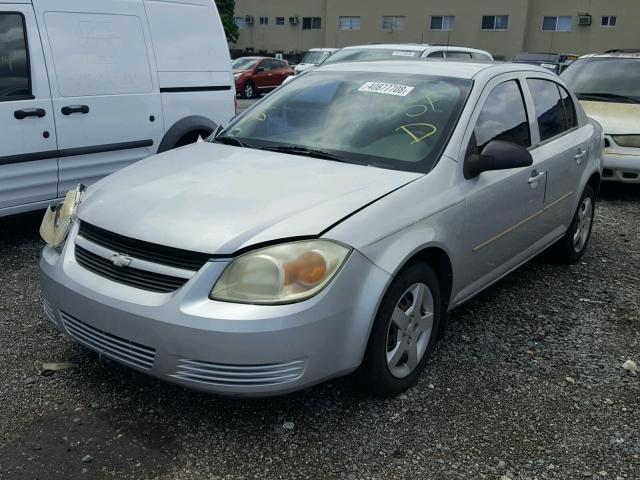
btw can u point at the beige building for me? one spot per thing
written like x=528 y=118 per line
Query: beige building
x=503 y=27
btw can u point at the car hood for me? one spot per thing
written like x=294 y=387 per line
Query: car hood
x=218 y=199
x=615 y=118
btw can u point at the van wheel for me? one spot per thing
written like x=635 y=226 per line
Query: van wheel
x=192 y=137
x=249 y=90
x=570 y=248
x=403 y=334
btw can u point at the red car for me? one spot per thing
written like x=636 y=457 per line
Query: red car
x=255 y=75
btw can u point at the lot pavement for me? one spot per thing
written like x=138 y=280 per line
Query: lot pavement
x=526 y=384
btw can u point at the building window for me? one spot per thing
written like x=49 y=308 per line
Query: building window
x=556 y=24
x=392 y=23
x=264 y=20
x=495 y=22
x=239 y=21
x=609 y=21
x=349 y=23
x=443 y=22
x=279 y=20
x=311 y=23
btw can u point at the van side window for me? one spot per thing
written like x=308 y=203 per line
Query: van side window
x=503 y=117
x=549 y=108
x=15 y=81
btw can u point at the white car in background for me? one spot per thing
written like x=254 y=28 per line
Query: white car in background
x=88 y=87
x=313 y=58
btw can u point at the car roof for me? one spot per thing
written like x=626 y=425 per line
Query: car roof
x=323 y=49
x=414 y=47
x=623 y=53
x=447 y=68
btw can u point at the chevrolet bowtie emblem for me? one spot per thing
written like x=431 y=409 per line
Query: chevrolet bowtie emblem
x=121 y=260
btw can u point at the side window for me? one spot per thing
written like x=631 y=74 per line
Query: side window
x=503 y=117
x=15 y=81
x=569 y=108
x=549 y=107
x=436 y=55
x=465 y=55
x=263 y=66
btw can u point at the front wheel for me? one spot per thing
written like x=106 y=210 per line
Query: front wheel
x=249 y=90
x=570 y=248
x=403 y=334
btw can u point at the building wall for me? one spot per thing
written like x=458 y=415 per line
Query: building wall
x=524 y=31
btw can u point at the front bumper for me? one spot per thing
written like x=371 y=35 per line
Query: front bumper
x=621 y=164
x=231 y=349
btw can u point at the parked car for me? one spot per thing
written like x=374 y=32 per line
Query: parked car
x=256 y=75
x=403 y=51
x=608 y=86
x=328 y=228
x=313 y=58
x=555 y=62
x=89 y=87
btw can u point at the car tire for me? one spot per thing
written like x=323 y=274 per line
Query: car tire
x=249 y=90
x=570 y=248
x=386 y=370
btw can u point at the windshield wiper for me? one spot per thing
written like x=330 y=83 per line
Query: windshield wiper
x=607 y=97
x=233 y=141
x=309 y=152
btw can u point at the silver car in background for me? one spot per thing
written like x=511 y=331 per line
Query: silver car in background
x=328 y=229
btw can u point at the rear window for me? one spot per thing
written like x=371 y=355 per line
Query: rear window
x=371 y=54
x=14 y=69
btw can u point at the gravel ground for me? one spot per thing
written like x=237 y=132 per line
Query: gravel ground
x=526 y=384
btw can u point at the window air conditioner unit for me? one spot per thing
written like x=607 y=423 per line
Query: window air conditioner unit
x=584 y=20
x=248 y=19
x=293 y=20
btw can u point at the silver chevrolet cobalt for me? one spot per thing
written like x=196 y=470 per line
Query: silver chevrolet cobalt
x=326 y=230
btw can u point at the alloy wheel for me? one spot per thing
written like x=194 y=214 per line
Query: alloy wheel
x=409 y=330
x=248 y=90
x=583 y=224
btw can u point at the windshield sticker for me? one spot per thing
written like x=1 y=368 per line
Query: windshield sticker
x=400 y=53
x=418 y=131
x=386 y=88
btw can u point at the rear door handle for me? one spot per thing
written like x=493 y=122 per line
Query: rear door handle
x=581 y=155
x=535 y=178
x=31 y=112
x=68 y=110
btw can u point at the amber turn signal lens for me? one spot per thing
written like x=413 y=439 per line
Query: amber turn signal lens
x=308 y=269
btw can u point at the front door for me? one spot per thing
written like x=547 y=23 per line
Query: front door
x=106 y=98
x=502 y=207
x=28 y=150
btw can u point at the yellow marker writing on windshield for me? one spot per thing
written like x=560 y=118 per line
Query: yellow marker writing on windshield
x=407 y=129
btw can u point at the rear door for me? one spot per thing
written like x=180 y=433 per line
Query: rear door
x=262 y=75
x=561 y=146
x=106 y=98
x=28 y=150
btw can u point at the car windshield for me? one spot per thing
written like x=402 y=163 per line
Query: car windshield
x=315 y=58
x=394 y=121
x=243 y=63
x=605 y=79
x=366 y=54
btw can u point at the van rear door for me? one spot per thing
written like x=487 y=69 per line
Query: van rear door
x=104 y=86
x=28 y=150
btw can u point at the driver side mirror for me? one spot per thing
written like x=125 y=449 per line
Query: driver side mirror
x=497 y=155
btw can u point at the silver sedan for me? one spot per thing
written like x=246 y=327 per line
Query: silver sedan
x=328 y=229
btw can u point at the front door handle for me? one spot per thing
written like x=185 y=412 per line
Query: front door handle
x=68 y=110
x=31 y=112
x=581 y=155
x=535 y=178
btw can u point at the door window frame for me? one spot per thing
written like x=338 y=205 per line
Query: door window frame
x=25 y=35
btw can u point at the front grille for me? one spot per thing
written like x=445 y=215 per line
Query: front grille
x=134 y=277
x=173 y=257
x=239 y=375
x=117 y=348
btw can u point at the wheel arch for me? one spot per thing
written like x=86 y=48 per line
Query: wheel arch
x=182 y=128
x=438 y=259
x=594 y=182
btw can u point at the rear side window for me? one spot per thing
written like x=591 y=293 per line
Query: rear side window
x=503 y=117
x=569 y=108
x=549 y=107
x=436 y=55
x=466 y=55
x=15 y=81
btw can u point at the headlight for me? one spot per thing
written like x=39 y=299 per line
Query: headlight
x=57 y=221
x=236 y=76
x=627 y=140
x=285 y=273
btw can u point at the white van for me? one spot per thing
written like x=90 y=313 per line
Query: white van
x=89 y=86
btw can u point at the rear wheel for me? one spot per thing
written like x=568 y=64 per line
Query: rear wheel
x=404 y=332
x=249 y=90
x=570 y=248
